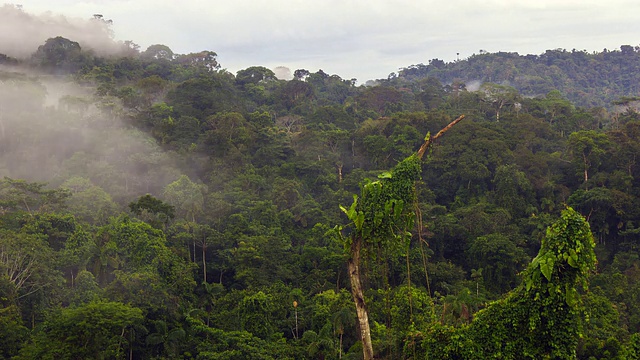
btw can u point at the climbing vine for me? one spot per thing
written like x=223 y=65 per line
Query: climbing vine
x=540 y=319
x=383 y=214
x=381 y=219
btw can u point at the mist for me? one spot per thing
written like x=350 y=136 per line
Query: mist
x=57 y=131
x=473 y=85
x=283 y=73
x=21 y=33
x=53 y=130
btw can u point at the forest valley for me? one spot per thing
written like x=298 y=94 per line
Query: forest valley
x=156 y=206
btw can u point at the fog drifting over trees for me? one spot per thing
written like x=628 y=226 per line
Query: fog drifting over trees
x=21 y=32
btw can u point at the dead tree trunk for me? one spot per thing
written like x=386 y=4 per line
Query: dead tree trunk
x=431 y=140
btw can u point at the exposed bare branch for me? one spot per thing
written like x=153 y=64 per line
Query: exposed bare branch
x=429 y=141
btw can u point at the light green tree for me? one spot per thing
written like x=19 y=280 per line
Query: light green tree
x=499 y=96
x=88 y=201
x=587 y=148
x=186 y=196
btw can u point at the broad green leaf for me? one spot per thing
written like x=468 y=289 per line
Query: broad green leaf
x=359 y=220
x=573 y=258
x=351 y=213
x=397 y=210
x=546 y=267
x=387 y=207
x=571 y=296
x=344 y=210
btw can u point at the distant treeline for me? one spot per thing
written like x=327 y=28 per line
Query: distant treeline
x=587 y=79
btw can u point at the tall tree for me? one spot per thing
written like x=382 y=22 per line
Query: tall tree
x=186 y=196
x=499 y=96
x=382 y=218
x=587 y=149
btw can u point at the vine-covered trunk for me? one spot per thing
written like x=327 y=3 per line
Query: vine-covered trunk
x=358 y=298
x=376 y=203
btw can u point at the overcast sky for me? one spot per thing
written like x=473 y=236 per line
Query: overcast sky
x=363 y=39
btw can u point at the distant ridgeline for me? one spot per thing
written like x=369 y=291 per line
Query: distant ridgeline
x=587 y=79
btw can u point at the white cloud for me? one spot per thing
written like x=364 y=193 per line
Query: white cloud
x=358 y=38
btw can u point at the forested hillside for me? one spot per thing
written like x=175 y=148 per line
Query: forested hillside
x=586 y=79
x=156 y=206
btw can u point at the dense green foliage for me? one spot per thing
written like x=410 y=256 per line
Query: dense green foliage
x=157 y=206
x=383 y=215
x=587 y=79
x=539 y=319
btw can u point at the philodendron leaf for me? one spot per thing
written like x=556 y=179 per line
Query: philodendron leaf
x=546 y=266
x=344 y=210
x=385 y=175
x=572 y=260
x=359 y=220
x=351 y=212
x=397 y=209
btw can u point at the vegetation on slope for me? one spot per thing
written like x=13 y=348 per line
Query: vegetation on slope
x=187 y=212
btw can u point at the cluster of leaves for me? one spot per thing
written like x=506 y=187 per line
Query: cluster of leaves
x=383 y=215
x=540 y=318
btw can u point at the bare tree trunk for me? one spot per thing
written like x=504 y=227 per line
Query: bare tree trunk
x=204 y=259
x=358 y=298
x=498 y=111
x=586 y=168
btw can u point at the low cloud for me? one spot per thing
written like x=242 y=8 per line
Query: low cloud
x=473 y=85
x=21 y=33
x=52 y=130
x=357 y=38
x=283 y=73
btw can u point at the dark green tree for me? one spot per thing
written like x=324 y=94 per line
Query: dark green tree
x=97 y=330
x=152 y=210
